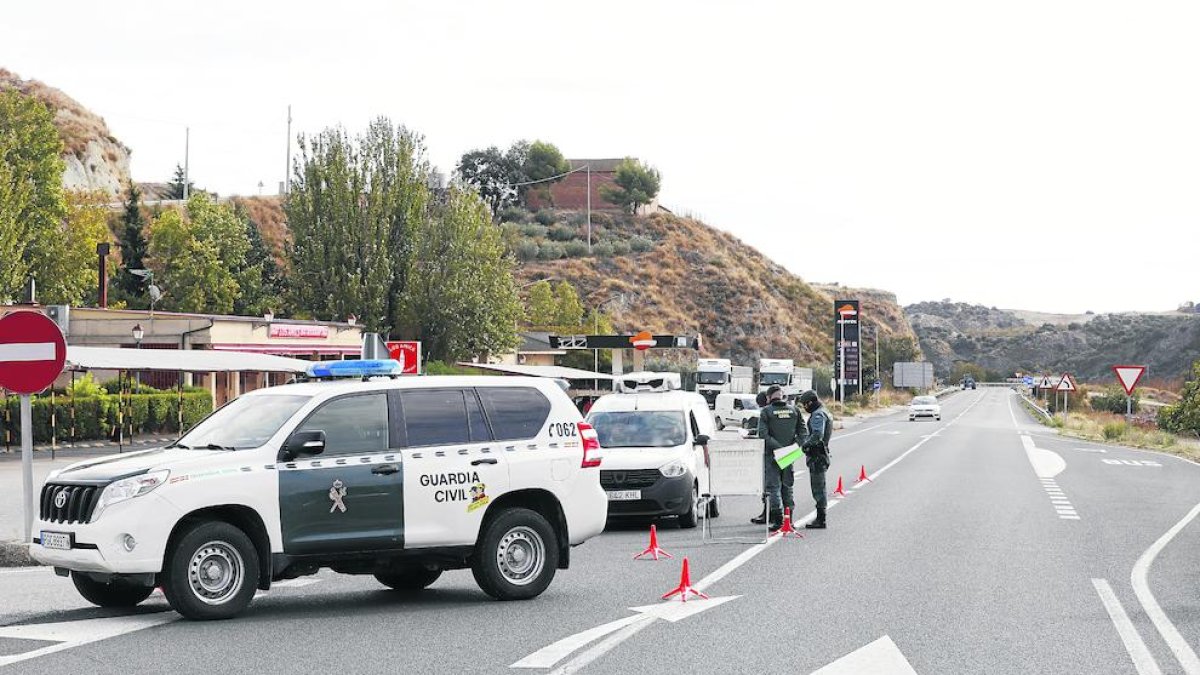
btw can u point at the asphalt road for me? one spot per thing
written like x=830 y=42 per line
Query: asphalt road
x=957 y=551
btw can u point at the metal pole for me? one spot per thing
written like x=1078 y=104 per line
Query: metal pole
x=878 y=376
x=187 y=138
x=287 y=170
x=27 y=462
x=1128 y=406
x=589 y=207
x=53 y=425
x=842 y=360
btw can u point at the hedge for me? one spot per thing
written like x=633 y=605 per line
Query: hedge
x=96 y=416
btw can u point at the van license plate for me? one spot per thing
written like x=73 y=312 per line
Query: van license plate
x=57 y=540
x=624 y=495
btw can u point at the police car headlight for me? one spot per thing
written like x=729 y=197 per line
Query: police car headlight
x=673 y=470
x=128 y=488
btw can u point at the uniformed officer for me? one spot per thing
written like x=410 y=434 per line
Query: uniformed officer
x=816 y=452
x=779 y=425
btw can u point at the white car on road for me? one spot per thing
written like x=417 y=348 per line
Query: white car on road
x=399 y=478
x=924 y=406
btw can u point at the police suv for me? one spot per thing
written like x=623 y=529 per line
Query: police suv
x=400 y=478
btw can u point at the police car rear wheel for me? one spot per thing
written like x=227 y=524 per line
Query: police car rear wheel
x=409 y=579
x=211 y=572
x=113 y=594
x=517 y=555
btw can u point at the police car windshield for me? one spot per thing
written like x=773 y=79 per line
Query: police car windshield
x=243 y=423
x=710 y=377
x=774 y=378
x=639 y=429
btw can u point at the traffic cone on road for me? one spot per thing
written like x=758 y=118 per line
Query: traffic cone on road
x=787 y=526
x=862 y=475
x=685 y=586
x=653 y=550
x=839 y=492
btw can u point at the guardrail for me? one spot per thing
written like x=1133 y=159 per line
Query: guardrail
x=1033 y=404
x=947 y=390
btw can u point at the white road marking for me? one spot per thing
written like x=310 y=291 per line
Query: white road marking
x=1143 y=661
x=677 y=611
x=642 y=622
x=546 y=657
x=71 y=634
x=288 y=583
x=27 y=351
x=1091 y=449
x=26 y=570
x=1141 y=587
x=1046 y=463
x=1131 y=462
x=881 y=657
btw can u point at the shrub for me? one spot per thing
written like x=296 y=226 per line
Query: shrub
x=534 y=231
x=640 y=244
x=514 y=214
x=1112 y=402
x=545 y=217
x=601 y=218
x=551 y=251
x=1114 y=430
x=603 y=250
x=576 y=248
x=620 y=247
x=527 y=250
x=562 y=233
x=96 y=417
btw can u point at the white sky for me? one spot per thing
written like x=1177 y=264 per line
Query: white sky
x=934 y=149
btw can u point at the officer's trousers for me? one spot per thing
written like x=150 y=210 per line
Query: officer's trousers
x=777 y=484
x=816 y=480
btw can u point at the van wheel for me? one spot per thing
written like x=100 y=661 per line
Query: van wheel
x=720 y=424
x=517 y=555
x=212 y=572
x=409 y=579
x=116 y=593
x=689 y=519
x=714 y=507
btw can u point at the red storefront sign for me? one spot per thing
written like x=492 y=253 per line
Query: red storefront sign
x=292 y=330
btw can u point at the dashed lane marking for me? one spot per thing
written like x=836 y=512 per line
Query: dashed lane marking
x=1058 y=499
x=1131 y=462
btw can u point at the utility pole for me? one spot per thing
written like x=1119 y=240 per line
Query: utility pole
x=589 y=207
x=187 y=138
x=287 y=169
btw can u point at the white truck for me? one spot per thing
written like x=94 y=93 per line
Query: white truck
x=713 y=377
x=777 y=371
x=802 y=379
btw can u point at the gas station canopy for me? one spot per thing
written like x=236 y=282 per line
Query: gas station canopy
x=179 y=360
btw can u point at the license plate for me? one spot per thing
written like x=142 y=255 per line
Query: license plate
x=57 y=540
x=624 y=495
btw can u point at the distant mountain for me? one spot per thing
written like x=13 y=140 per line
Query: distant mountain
x=1084 y=345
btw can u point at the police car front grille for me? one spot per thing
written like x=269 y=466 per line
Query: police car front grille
x=77 y=506
x=629 y=480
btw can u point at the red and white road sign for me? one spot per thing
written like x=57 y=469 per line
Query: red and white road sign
x=1067 y=383
x=1129 y=376
x=32 y=352
x=408 y=353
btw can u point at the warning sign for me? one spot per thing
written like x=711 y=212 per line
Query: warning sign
x=1067 y=383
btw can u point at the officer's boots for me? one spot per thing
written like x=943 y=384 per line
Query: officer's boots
x=818 y=523
x=760 y=519
x=776 y=520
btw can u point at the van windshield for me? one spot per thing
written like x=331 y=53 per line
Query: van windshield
x=243 y=423
x=639 y=429
x=748 y=403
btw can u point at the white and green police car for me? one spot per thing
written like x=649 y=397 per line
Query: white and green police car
x=400 y=478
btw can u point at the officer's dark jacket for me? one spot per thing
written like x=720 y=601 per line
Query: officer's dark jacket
x=779 y=425
x=820 y=428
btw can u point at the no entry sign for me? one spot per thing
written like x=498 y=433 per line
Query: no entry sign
x=32 y=352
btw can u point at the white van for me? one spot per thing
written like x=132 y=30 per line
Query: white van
x=734 y=410
x=399 y=478
x=655 y=443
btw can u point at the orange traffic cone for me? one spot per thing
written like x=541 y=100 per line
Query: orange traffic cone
x=653 y=550
x=787 y=526
x=685 y=586
x=839 y=492
x=862 y=475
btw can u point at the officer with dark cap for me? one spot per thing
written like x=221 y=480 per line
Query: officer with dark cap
x=815 y=444
x=779 y=425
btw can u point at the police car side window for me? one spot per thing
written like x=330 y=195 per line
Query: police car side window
x=478 y=425
x=353 y=425
x=435 y=417
x=516 y=413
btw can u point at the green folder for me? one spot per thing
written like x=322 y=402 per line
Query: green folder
x=785 y=457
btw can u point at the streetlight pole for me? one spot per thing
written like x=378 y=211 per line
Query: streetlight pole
x=842 y=359
x=589 y=207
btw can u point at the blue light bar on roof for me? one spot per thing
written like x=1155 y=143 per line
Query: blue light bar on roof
x=355 y=368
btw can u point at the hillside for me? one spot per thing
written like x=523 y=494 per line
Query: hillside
x=95 y=159
x=1003 y=341
x=691 y=278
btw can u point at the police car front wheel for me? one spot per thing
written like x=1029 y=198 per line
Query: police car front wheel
x=211 y=572
x=517 y=555
x=116 y=593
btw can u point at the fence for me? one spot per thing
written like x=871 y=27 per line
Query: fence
x=736 y=485
x=59 y=418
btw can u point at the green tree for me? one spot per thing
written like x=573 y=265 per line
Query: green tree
x=541 y=161
x=196 y=256
x=568 y=311
x=259 y=278
x=133 y=248
x=175 y=188
x=541 y=306
x=70 y=274
x=494 y=174
x=1184 y=416
x=464 y=300
x=637 y=185
x=32 y=203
